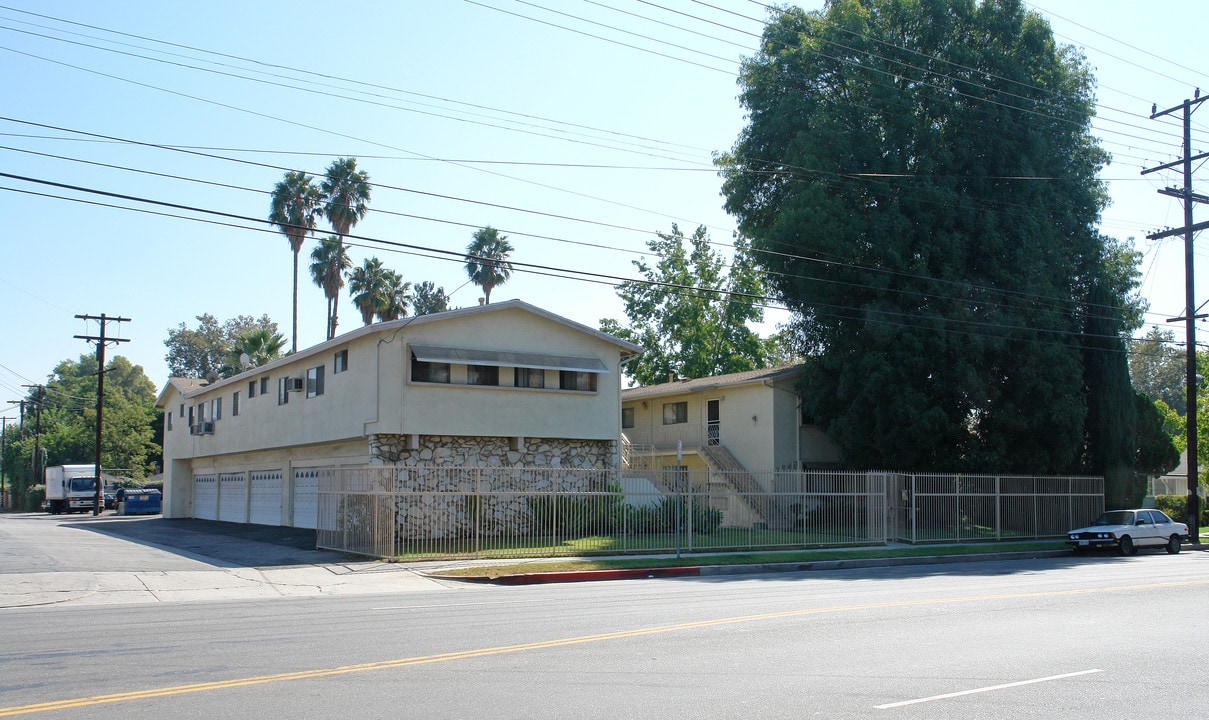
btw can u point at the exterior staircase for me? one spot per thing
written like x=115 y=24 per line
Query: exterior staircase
x=764 y=505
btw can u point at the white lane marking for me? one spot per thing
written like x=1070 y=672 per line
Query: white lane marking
x=985 y=689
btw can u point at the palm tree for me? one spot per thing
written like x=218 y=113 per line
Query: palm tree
x=328 y=263
x=262 y=345
x=345 y=191
x=487 y=260
x=398 y=297
x=296 y=203
x=369 y=285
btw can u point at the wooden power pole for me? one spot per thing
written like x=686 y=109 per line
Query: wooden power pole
x=101 y=341
x=1189 y=199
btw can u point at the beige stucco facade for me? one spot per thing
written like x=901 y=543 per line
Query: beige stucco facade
x=755 y=416
x=389 y=392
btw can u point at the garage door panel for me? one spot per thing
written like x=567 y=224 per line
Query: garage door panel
x=306 y=498
x=265 y=498
x=205 y=497
x=233 y=498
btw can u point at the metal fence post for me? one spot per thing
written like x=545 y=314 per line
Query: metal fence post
x=998 y=509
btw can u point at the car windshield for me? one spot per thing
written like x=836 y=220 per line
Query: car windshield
x=79 y=484
x=1115 y=517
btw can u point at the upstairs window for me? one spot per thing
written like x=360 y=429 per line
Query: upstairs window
x=433 y=372
x=529 y=377
x=283 y=391
x=627 y=417
x=675 y=413
x=576 y=380
x=168 y=421
x=340 y=364
x=264 y=385
x=482 y=375
x=252 y=389
x=314 y=382
x=235 y=403
x=216 y=414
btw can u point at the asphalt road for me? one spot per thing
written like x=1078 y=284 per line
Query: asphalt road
x=1048 y=638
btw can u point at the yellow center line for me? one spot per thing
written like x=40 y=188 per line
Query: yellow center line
x=544 y=644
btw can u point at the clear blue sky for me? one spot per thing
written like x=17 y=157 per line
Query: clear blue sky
x=576 y=147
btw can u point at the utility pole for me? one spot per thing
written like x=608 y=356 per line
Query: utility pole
x=3 y=446
x=101 y=341
x=39 y=396
x=1190 y=316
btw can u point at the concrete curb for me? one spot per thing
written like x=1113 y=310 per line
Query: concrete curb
x=536 y=578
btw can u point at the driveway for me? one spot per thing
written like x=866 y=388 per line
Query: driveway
x=110 y=559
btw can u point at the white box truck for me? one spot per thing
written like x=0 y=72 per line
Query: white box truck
x=71 y=488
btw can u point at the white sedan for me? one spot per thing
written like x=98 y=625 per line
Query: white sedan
x=1128 y=530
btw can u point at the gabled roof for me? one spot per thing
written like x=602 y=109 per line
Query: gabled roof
x=709 y=383
x=184 y=386
x=188 y=386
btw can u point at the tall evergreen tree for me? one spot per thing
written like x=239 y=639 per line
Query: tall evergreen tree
x=920 y=179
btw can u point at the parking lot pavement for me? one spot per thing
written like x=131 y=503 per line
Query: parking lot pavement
x=107 y=559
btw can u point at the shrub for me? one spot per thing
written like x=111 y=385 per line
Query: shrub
x=1176 y=507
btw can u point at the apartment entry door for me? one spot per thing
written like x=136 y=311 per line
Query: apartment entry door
x=713 y=422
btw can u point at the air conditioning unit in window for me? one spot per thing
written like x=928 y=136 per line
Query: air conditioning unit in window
x=295 y=384
x=203 y=428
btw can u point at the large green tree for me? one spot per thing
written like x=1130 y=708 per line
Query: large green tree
x=295 y=204
x=487 y=260
x=67 y=407
x=1157 y=368
x=346 y=193
x=197 y=352
x=398 y=297
x=692 y=314
x=919 y=177
x=262 y=345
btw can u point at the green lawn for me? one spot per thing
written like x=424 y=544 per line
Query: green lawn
x=748 y=558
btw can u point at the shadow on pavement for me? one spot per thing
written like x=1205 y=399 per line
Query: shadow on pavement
x=229 y=544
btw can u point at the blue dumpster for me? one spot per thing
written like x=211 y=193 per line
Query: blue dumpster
x=138 y=501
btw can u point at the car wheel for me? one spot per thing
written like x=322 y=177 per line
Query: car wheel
x=1173 y=545
x=1125 y=546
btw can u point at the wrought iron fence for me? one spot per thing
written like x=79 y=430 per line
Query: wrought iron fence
x=431 y=512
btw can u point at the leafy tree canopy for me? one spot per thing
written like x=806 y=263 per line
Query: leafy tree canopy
x=692 y=314
x=1157 y=368
x=430 y=299
x=196 y=352
x=130 y=435
x=920 y=180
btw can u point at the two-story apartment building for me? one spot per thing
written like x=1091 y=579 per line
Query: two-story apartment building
x=505 y=384
x=747 y=421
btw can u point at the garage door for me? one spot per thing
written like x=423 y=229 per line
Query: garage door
x=306 y=498
x=233 y=497
x=266 y=498
x=205 y=497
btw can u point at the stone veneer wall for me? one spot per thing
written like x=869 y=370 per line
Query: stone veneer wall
x=468 y=451
x=455 y=486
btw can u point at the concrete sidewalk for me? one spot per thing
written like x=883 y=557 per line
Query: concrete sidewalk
x=110 y=560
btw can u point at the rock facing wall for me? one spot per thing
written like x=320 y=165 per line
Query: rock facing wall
x=482 y=452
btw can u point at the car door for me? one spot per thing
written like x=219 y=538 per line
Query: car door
x=1147 y=530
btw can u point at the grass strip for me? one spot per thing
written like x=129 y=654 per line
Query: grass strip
x=755 y=558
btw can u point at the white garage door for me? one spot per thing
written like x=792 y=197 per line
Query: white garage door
x=233 y=497
x=205 y=497
x=306 y=498
x=266 y=498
